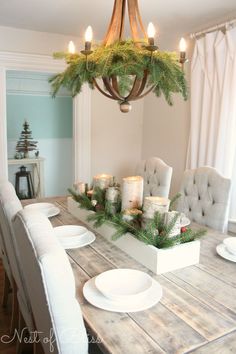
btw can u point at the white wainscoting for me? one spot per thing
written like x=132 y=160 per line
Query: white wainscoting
x=57 y=175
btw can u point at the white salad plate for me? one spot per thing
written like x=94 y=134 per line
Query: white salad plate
x=74 y=236
x=123 y=284
x=97 y=299
x=47 y=209
x=221 y=249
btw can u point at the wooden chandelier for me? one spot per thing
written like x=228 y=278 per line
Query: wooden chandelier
x=128 y=69
x=115 y=33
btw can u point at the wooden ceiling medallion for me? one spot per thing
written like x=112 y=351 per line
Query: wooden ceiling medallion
x=115 y=33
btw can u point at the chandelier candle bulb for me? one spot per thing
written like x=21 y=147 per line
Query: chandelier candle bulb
x=88 y=38
x=154 y=204
x=132 y=192
x=71 y=47
x=151 y=33
x=182 y=48
x=102 y=181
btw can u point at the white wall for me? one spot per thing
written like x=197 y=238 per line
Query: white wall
x=25 y=41
x=165 y=134
x=116 y=137
x=166 y=128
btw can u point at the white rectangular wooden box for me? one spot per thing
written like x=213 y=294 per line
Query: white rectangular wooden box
x=158 y=260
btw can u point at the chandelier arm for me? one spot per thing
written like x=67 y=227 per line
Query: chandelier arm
x=135 y=20
x=101 y=90
x=144 y=94
x=111 y=89
x=116 y=26
x=144 y=81
x=115 y=83
x=135 y=89
x=141 y=22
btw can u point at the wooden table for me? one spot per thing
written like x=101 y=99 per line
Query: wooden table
x=197 y=313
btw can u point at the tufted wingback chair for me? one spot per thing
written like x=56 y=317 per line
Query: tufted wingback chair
x=157 y=177
x=51 y=285
x=205 y=197
x=9 y=206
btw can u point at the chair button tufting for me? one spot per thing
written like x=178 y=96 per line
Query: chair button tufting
x=203 y=214
x=190 y=209
x=199 y=198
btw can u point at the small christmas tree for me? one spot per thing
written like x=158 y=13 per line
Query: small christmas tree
x=26 y=142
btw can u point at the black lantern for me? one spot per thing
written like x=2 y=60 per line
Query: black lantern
x=24 y=185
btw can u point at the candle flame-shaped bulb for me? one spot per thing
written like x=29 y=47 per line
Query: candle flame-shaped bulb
x=182 y=45
x=71 y=48
x=89 y=34
x=151 y=30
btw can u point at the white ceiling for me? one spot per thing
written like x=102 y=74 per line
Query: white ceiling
x=71 y=17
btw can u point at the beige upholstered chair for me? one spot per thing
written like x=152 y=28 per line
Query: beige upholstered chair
x=8 y=280
x=205 y=197
x=51 y=285
x=9 y=206
x=157 y=177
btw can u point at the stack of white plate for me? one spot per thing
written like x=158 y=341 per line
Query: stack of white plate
x=123 y=290
x=227 y=249
x=73 y=236
x=47 y=209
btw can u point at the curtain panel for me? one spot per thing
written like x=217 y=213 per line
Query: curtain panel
x=213 y=106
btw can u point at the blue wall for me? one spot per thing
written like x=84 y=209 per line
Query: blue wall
x=29 y=98
x=48 y=118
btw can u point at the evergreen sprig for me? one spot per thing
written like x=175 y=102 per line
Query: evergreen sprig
x=83 y=200
x=157 y=232
x=125 y=60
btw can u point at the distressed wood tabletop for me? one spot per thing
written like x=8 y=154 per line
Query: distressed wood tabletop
x=197 y=313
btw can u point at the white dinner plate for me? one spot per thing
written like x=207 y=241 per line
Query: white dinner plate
x=74 y=236
x=124 y=284
x=47 y=209
x=222 y=251
x=95 y=297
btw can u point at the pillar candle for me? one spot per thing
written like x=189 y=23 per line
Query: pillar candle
x=112 y=194
x=132 y=192
x=102 y=181
x=177 y=227
x=154 y=204
x=80 y=187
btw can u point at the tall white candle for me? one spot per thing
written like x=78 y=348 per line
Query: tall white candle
x=102 y=181
x=154 y=204
x=80 y=187
x=132 y=192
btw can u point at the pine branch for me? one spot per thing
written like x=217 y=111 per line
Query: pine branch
x=173 y=201
x=82 y=199
x=124 y=60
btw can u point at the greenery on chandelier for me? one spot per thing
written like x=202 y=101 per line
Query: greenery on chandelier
x=154 y=232
x=122 y=59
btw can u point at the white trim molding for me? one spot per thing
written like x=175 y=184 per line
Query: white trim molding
x=3 y=126
x=81 y=111
x=82 y=135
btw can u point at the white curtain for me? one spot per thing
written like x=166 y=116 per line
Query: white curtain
x=213 y=106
